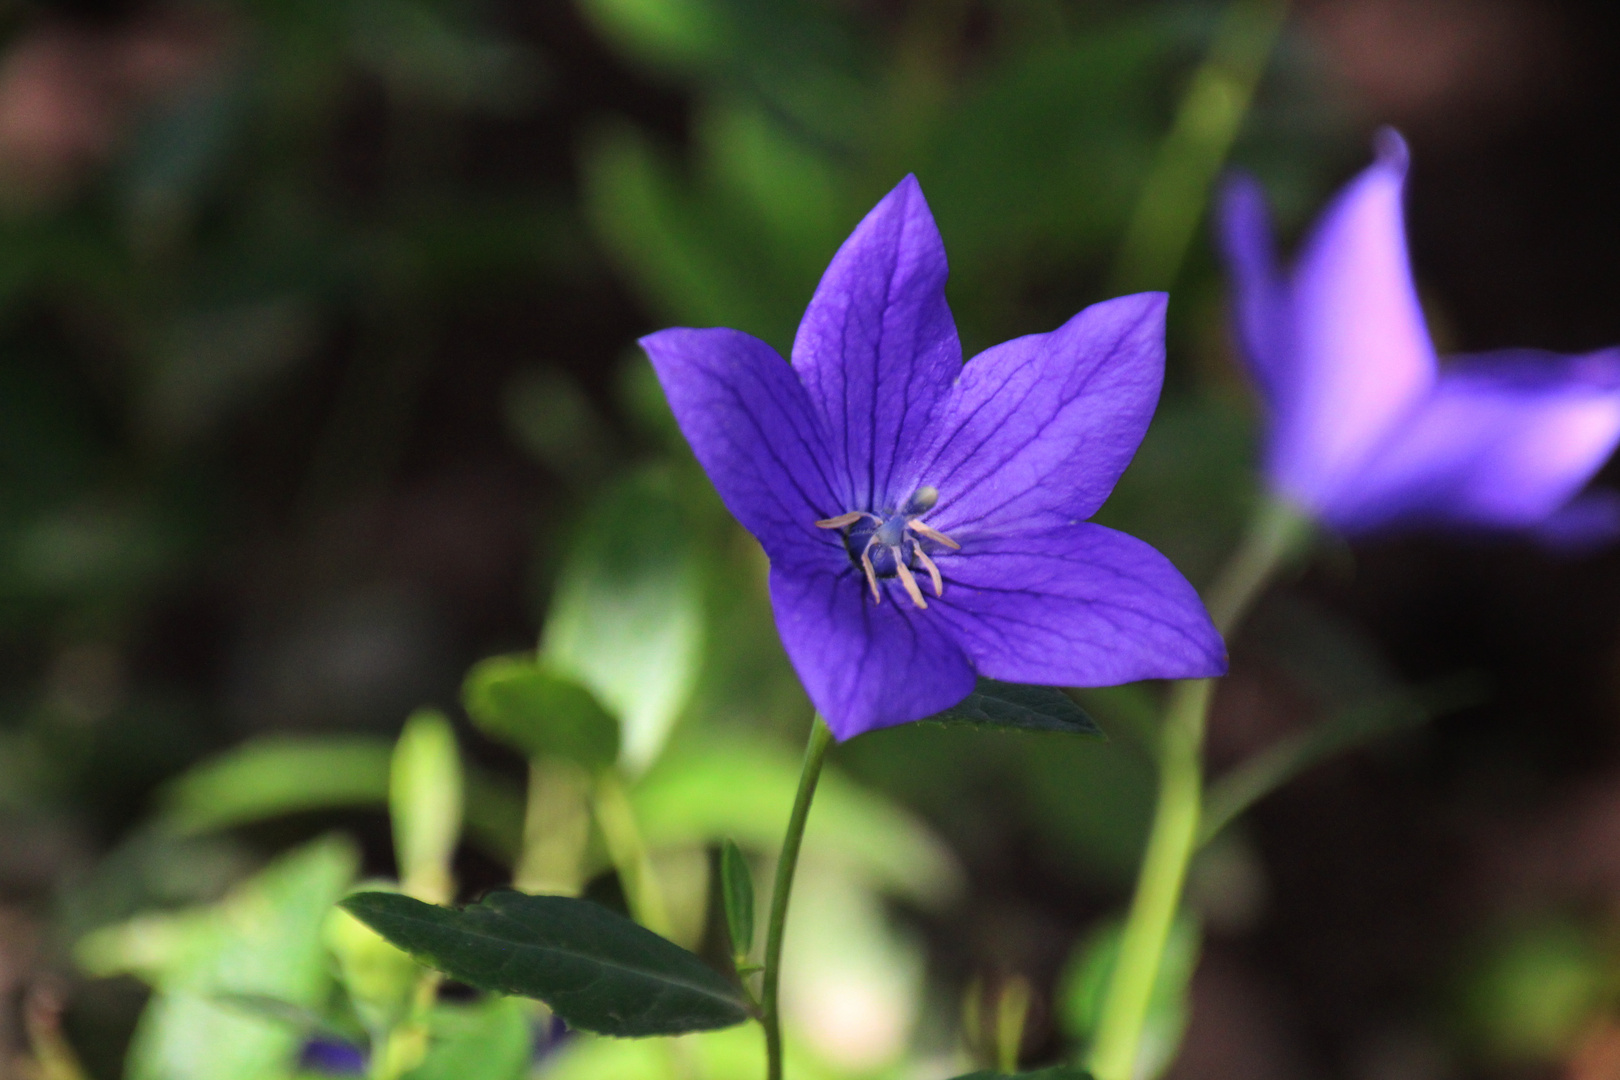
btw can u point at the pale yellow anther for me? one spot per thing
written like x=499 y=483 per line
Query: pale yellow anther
x=842 y=521
x=908 y=579
x=871 y=574
x=933 y=571
x=924 y=529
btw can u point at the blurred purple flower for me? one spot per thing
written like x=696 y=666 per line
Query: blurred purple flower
x=925 y=521
x=1368 y=430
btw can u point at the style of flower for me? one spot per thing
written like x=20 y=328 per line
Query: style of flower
x=925 y=520
x=1368 y=430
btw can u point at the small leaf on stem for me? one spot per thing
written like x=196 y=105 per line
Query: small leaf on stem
x=737 y=887
x=1025 y=708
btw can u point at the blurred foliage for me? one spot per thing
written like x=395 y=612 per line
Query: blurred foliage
x=227 y=324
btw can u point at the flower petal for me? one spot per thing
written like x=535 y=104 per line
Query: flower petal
x=755 y=432
x=1504 y=439
x=1038 y=429
x=878 y=348
x=1362 y=351
x=1259 y=300
x=1076 y=605
x=866 y=665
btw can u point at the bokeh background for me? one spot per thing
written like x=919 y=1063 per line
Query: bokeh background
x=317 y=376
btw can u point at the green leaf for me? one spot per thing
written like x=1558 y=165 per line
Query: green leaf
x=492 y=1040
x=627 y=618
x=737 y=887
x=742 y=787
x=425 y=800
x=262 y=942
x=1026 y=708
x=1057 y=1072
x=597 y=970
x=541 y=712
x=272 y=777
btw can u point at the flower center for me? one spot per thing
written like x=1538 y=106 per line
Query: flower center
x=889 y=544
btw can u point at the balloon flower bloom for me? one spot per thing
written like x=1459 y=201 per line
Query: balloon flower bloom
x=926 y=520
x=1368 y=430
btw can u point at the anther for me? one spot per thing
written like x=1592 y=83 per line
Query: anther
x=907 y=578
x=843 y=521
x=871 y=574
x=922 y=528
x=933 y=571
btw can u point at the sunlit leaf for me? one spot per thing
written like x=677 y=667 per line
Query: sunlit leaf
x=743 y=788
x=263 y=941
x=493 y=1040
x=627 y=618
x=539 y=711
x=597 y=970
x=1009 y=706
x=273 y=777
x=424 y=802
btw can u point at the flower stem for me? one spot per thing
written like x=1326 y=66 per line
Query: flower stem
x=1274 y=535
x=815 y=752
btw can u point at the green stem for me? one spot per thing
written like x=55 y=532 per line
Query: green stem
x=770 y=1016
x=1206 y=124
x=1275 y=534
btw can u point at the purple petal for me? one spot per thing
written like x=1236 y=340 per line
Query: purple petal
x=1361 y=352
x=1260 y=312
x=755 y=432
x=1076 y=605
x=1503 y=440
x=1038 y=429
x=878 y=348
x=866 y=665
x=1590 y=521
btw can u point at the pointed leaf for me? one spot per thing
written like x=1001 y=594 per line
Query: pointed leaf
x=1026 y=708
x=738 y=890
x=597 y=970
x=539 y=711
x=425 y=786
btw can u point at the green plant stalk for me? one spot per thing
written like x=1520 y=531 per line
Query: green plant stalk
x=556 y=828
x=1275 y=535
x=815 y=752
x=1206 y=124
x=628 y=851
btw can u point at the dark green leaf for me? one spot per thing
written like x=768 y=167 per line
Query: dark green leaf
x=523 y=703
x=738 y=889
x=1026 y=708
x=597 y=970
x=1057 y=1072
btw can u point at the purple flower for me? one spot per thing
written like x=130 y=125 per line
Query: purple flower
x=1367 y=429
x=925 y=521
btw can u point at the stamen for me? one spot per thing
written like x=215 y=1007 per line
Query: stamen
x=922 y=528
x=933 y=571
x=871 y=574
x=844 y=521
x=907 y=579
